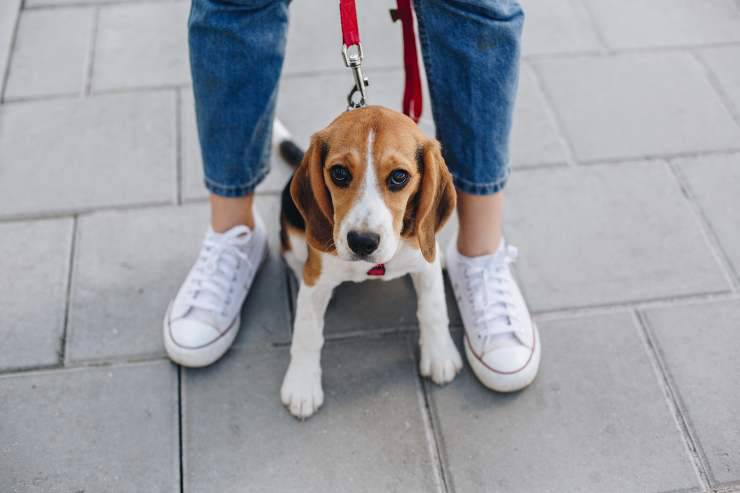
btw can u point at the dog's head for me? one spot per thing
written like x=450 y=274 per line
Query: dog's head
x=370 y=180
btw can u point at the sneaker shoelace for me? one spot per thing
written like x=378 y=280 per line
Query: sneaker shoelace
x=212 y=283
x=489 y=287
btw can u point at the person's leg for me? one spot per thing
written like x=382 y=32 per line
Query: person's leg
x=236 y=56
x=471 y=55
x=472 y=80
x=480 y=219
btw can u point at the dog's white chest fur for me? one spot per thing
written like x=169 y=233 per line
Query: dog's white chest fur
x=405 y=261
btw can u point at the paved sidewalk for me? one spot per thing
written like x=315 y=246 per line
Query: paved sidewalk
x=624 y=203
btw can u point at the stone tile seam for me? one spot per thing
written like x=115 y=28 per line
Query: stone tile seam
x=532 y=59
x=84 y=211
x=714 y=81
x=666 y=156
x=553 y=115
x=183 y=398
x=673 y=400
x=163 y=88
x=73 y=245
x=178 y=147
x=180 y=421
x=637 y=50
x=605 y=309
x=650 y=302
x=705 y=226
x=5 y=76
x=59 y=369
x=688 y=490
x=595 y=26
x=393 y=332
x=433 y=445
x=90 y=61
x=138 y=206
x=52 y=214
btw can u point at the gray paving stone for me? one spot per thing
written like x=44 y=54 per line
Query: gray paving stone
x=606 y=234
x=378 y=306
x=368 y=436
x=120 y=290
x=34 y=261
x=318 y=21
x=723 y=62
x=635 y=23
x=637 y=105
x=9 y=12
x=715 y=181
x=68 y=155
x=192 y=164
x=93 y=429
x=53 y=63
x=534 y=136
x=142 y=45
x=594 y=420
x=698 y=343
x=562 y=27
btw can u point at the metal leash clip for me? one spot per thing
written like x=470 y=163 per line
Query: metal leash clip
x=353 y=60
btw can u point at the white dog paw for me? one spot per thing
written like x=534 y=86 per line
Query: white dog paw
x=441 y=361
x=301 y=391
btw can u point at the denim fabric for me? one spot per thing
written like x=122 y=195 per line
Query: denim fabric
x=236 y=56
x=471 y=55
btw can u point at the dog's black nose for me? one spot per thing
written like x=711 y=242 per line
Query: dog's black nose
x=363 y=243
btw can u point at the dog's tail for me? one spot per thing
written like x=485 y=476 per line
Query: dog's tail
x=283 y=141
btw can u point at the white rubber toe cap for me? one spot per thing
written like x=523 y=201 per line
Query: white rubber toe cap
x=506 y=369
x=192 y=334
x=507 y=359
x=195 y=344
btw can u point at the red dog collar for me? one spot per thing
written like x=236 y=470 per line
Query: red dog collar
x=377 y=270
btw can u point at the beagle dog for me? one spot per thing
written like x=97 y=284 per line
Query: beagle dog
x=365 y=203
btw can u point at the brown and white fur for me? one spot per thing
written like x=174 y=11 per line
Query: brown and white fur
x=318 y=214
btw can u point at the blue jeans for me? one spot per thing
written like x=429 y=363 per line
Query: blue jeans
x=471 y=55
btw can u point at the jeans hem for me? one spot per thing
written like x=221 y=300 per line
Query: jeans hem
x=235 y=190
x=474 y=188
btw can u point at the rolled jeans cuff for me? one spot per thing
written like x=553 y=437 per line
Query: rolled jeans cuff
x=224 y=190
x=477 y=188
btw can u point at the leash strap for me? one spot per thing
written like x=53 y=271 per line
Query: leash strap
x=348 y=17
x=412 y=95
x=352 y=53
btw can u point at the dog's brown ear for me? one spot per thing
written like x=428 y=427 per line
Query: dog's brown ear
x=437 y=198
x=311 y=196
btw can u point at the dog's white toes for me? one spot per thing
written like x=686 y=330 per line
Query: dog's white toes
x=301 y=392
x=440 y=362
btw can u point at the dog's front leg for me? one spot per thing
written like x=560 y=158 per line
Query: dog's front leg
x=301 y=391
x=440 y=359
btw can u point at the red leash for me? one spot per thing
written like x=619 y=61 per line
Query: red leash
x=352 y=54
x=412 y=98
x=348 y=17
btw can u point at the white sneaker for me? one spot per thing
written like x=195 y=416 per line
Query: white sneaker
x=501 y=341
x=202 y=321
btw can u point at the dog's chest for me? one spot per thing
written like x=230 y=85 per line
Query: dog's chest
x=406 y=259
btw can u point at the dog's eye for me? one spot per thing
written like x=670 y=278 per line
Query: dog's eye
x=397 y=179
x=340 y=175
